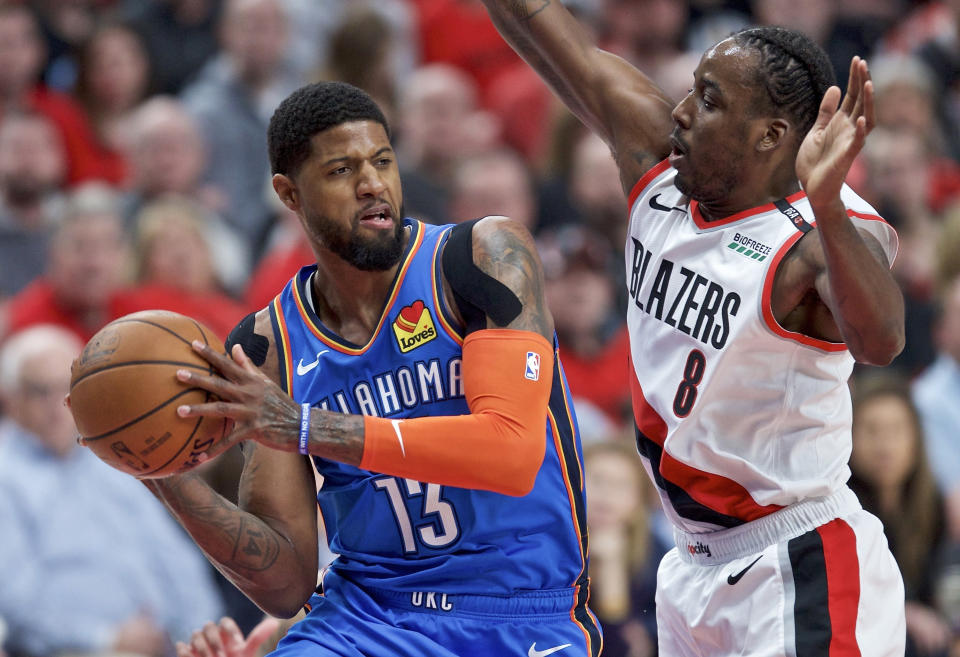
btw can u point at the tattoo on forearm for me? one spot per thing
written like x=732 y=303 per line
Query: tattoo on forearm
x=527 y=9
x=256 y=548
x=253 y=545
x=341 y=436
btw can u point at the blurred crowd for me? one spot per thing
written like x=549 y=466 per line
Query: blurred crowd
x=134 y=175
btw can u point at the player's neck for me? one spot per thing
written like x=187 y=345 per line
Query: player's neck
x=748 y=197
x=349 y=301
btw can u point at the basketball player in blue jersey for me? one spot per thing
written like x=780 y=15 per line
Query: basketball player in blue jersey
x=756 y=279
x=414 y=367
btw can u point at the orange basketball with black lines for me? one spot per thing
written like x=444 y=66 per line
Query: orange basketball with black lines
x=124 y=394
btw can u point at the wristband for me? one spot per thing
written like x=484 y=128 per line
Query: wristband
x=304 y=428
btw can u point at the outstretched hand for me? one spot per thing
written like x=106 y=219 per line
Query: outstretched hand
x=836 y=138
x=259 y=408
x=226 y=640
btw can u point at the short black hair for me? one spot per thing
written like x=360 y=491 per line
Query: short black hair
x=310 y=110
x=794 y=71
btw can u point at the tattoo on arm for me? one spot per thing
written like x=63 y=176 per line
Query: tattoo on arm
x=504 y=251
x=252 y=544
x=256 y=547
x=527 y=9
x=339 y=436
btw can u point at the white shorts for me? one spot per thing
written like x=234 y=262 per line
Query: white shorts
x=815 y=579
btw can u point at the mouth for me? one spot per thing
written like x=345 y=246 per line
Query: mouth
x=379 y=216
x=677 y=147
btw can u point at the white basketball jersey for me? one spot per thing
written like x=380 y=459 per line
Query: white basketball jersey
x=736 y=416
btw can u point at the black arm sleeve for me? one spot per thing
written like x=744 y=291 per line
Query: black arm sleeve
x=477 y=294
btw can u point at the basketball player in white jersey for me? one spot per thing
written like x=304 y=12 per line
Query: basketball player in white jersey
x=756 y=279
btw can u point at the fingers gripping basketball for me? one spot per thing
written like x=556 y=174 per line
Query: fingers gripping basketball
x=124 y=394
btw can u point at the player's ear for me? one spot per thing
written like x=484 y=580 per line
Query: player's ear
x=775 y=135
x=286 y=190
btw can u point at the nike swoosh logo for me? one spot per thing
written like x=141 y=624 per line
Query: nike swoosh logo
x=733 y=579
x=657 y=205
x=533 y=652
x=303 y=369
x=396 y=429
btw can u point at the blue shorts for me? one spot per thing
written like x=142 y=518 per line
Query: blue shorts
x=349 y=621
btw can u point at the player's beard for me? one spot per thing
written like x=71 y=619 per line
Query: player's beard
x=379 y=252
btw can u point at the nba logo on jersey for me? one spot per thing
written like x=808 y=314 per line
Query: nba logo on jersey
x=533 y=366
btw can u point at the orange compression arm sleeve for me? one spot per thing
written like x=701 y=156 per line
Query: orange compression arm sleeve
x=499 y=446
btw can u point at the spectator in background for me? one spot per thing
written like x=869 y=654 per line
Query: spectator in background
x=91 y=563
x=179 y=35
x=84 y=269
x=289 y=250
x=112 y=79
x=650 y=35
x=898 y=174
x=313 y=25
x=941 y=53
x=458 y=33
x=816 y=20
x=361 y=52
x=936 y=392
x=169 y=158
x=585 y=190
x=495 y=182
x=65 y=26
x=905 y=101
x=623 y=553
x=440 y=122
x=32 y=170
x=594 y=344
x=892 y=478
x=903 y=88
x=21 y=62
x=175 y=268
x=233 y=98
x=948 y=246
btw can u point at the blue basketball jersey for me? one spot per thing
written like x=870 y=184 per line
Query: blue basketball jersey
x=405 y=535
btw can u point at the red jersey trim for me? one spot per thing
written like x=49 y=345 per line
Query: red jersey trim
x=866 y=217
x=713 y=491
x=646 y=179
x=766 y=305
x=843 y=586
x=701 y=222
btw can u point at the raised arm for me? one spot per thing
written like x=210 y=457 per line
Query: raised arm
x=849 y=268
x=507 y=373
x=610 y=96
x=267 y=545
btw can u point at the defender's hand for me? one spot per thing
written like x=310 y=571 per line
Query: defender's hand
x=836 y=138
x=259 y=408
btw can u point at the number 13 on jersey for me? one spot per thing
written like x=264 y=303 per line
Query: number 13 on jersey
x=435 y=526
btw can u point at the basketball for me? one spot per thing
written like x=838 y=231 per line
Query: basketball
x=124 y=394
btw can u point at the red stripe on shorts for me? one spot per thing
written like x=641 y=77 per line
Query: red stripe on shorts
x=843 y=586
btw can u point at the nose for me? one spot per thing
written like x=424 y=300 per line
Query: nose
x=680 y=113
x=370 y=183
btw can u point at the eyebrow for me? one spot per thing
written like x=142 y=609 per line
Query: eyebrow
x=712 y=85
x=347 y=158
